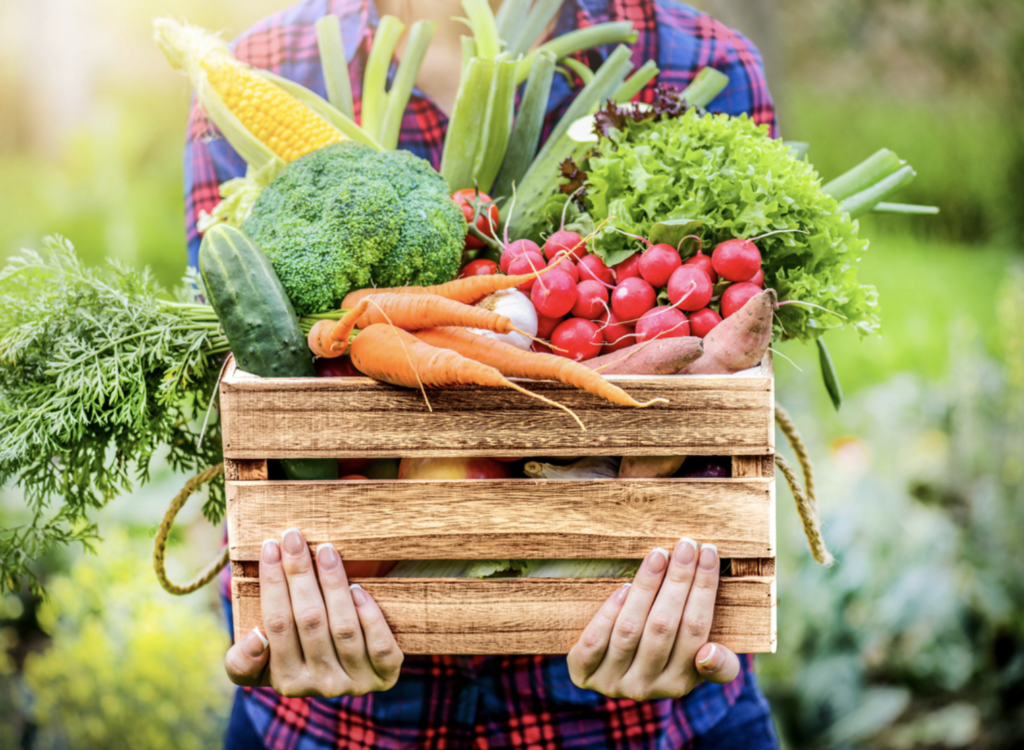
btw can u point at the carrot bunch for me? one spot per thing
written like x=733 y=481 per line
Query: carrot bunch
x=440 y=351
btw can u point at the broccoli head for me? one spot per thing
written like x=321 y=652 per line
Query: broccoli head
x=348 y=217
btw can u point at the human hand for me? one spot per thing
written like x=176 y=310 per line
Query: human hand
x=325 y=639
x=649 y=639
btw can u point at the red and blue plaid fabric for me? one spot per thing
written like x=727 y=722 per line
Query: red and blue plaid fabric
x=474 y=702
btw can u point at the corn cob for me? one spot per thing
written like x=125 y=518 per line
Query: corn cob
x=277 y=120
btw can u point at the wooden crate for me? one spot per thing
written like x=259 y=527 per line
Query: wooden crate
x=505 y=518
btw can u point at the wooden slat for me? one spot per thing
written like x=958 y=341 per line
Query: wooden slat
x=505 y=518
x=354 y=417
x=525 y=616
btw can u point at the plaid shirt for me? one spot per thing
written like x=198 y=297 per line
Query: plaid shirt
x=476 y=702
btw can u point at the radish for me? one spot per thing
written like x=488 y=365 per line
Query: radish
x=657 y=264
x=739 y=259
x=704 y=262
x=555 y=294
x=591 y=300
x=541 y=348
x=515 y=249
x=565 y=241
x=628 y=268
x=566 y=265
x=592 y=268
x=581 y=339
x=736 y=296
x=703 y=320
x=690 y=288
x=617 y=335
x=527 y=262
x=758 y=278
x=661 y=322
x=632 y=298
x=546 y=325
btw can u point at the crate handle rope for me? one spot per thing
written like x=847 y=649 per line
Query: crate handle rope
x=806 y=502
x=160 y=545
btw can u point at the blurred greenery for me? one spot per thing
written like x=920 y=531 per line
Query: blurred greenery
x=913 y=640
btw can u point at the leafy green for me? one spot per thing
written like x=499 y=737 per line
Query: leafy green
x=99 y=373
x=727 y=173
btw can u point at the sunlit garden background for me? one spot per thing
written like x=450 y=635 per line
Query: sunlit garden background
x=915 y=639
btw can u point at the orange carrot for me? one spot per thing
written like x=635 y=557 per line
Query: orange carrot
x=410 y=312
x=391 y=355
x=515 y=363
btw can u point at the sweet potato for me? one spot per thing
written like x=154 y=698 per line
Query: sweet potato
x=658 y=357
x=740 y=341
x=649 y=467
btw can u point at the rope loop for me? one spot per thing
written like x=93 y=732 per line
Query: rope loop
x=806 y=501
x=162 y=534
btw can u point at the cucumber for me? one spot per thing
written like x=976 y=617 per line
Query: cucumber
x=259 y=321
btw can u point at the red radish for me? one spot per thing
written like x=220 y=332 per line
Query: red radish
x=736 y=296
x=541 y=348
x=565 y=241
x=703 y=320
x=591 y=300
x=528 y=262
x=515 y=249
x=617 y=335
x=690 y=288
x=632 y=298
x=657 y=264
x=758 y=278
x=739 y=259
x=555 y=294
x=546 y=325
x=566 y=265
x=661 y=322
x=628 y=268
x=592 y=268
x=581 y=339
x=479 y=267
x=703 y=261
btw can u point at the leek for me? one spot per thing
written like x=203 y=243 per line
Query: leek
x=485 y=29
x=420 y=36
x=335 y=67
x=636 y=82
x=865 y=200
x=586 y=74
x=462 y=142
x=876 y=167
x=528 y=124
x=905 y=208
x=616 y=32
x=540 y=15
x=498 y=124
x=705 y=86
x=510 y=15
x=375 y=77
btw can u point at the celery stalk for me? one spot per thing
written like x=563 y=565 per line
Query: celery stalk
x=485 y=29
x=879 y=165
x=322 y=107
x=905 y=208
x=420 y=36
x=705 y=86
x=375 y=77
x=332 y=59
x=635 y=83
x=465 y=134
x=592 y=36
x=864 y=201
x=529 y=123
x=468 y=53
x=508 y=18
x=586 y=74
x=540 y=15
x=498 y=124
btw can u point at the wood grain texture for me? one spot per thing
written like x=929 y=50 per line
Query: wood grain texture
x=356 y=417
x=525 y=616
x=502 y=518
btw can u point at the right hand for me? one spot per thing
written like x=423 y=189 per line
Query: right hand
x=317 y=644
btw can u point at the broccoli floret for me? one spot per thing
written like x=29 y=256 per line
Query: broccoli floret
x=348 y=217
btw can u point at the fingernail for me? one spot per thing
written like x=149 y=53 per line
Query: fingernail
x=254 y=644
x=327 y=558
x=706 y=664
x=657 y=560
x=708 y=556
x=358 y=595
x=293 y=543
x=622 y=593
x=271 y=552
x=686 y=550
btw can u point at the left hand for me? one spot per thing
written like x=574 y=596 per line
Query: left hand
x=649 y=640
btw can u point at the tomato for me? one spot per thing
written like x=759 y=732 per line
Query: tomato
x=479 y=267
x=465 y=198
